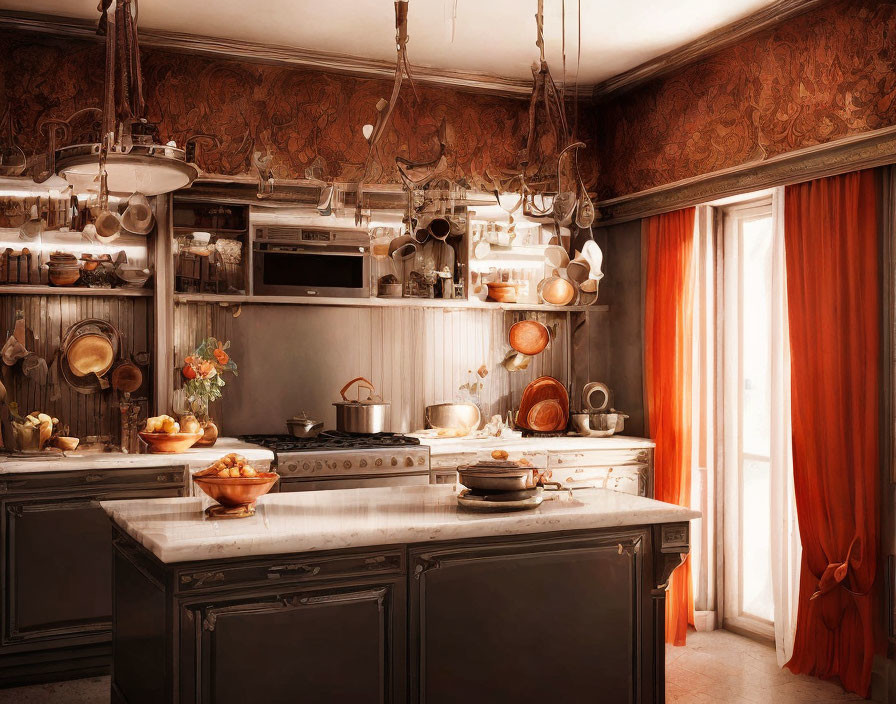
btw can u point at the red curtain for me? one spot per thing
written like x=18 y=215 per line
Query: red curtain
x=668 y=328
x=833 y=298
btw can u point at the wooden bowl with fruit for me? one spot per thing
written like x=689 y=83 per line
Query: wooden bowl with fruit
x=235 y=485
x=163 y=434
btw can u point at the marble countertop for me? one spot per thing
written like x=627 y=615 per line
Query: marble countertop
x=176 y=530
x=570 y=443
x=194 y=458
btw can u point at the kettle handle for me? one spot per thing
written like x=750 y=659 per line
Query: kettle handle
x=362 y=383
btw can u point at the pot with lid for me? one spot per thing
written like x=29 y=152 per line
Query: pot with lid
x=364 y=417
x=302 y=426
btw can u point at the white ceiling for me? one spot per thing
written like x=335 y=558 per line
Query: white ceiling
x=490 y=36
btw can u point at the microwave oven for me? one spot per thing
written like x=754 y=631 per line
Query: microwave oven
x=310 y=261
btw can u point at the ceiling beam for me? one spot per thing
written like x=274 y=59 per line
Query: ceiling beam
x=721 y=38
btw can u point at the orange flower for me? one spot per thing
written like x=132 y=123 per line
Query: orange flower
x=206 y=369
x=189 y=372
x=190 y=359
x=221 y=356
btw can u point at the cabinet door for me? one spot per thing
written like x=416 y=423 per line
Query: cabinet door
x=528 y=621
x=57 y=570
x=340 y=645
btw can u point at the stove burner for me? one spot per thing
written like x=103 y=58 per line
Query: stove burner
x=330 y=440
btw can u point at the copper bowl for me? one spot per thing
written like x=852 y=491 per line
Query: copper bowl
x=501 y=291
x=237 y=492
x=64 y=276
x=169 y=442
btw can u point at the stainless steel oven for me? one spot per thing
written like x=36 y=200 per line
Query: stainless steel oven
x=310 y=261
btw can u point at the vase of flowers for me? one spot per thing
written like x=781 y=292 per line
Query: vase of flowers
x=204 y=372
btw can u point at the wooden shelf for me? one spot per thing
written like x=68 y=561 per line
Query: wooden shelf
x=374 y=302
x=40 y=290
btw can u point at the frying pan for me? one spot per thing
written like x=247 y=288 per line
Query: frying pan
x=501 y=476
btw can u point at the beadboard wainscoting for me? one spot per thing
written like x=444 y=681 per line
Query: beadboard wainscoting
x=296 y=358
x=47 y=318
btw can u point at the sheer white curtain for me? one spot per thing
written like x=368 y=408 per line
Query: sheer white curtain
x=785 y=539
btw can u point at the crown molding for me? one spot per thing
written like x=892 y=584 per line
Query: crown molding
x=861 y=151
x=448 y=78
x=274 y=54
x=710 y=43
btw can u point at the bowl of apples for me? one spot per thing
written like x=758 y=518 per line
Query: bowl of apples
x=235 y=484
x=163 y=434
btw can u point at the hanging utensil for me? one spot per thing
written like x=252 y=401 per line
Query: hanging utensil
x=584 y=206
x=108 y=226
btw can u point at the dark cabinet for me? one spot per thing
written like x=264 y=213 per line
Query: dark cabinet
x=57 y=568
x=489 y=622
x=560 y=617
x=341 y=645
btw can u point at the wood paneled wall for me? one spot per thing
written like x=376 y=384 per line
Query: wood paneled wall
x=48 y=318
x=295 y=358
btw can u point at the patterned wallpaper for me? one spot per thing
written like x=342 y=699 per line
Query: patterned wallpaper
x=821 y=76
x=298 y=114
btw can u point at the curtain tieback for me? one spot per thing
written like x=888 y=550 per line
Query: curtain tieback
x=836 y=572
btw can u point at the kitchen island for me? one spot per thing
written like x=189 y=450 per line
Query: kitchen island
x=393 y=595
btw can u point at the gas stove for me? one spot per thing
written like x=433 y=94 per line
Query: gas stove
x=337 y=460
x=330 y=440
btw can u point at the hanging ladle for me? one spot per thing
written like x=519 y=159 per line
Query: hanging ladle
x=108 y=225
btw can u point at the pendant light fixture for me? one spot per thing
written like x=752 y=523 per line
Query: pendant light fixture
x=135 y=161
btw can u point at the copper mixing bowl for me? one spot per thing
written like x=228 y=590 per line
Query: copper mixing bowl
x=237 y=491
x=169 y=442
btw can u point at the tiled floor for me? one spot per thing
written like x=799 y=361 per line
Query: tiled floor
x=720 y=667
x=714 y=668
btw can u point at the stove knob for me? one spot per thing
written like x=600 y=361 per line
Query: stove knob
x=332 y=465
x=306 y=466
x=394 y=461
x=379 y=462
x=420 y=461
x=347 y=464
x=362 y=463
x=291 y=467
x=318 y=466
x=408 y=461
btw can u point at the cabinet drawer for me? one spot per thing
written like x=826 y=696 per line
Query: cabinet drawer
x=629 y=479
x=97 y=481
x=536 y=458
x=600 y=458
x=452 y=461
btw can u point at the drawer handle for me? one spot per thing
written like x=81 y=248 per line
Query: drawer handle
x=94 y=477
x=163 y=477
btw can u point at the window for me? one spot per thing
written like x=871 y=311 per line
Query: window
x=749 y=338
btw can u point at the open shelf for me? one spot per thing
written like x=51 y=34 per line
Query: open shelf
x=374 y=302
x=42 y=289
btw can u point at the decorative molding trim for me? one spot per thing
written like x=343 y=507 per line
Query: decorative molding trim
x=273 y=54
x=862 y=151
x=703 y=46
